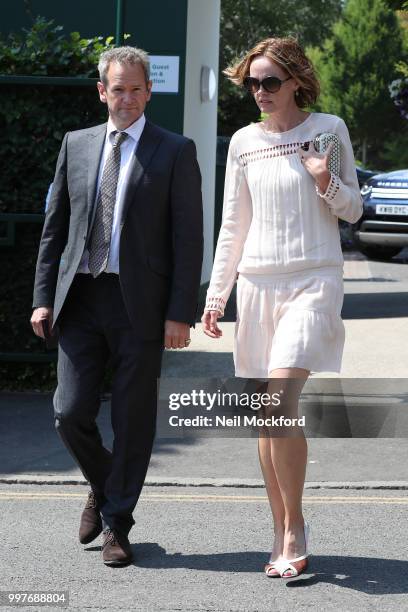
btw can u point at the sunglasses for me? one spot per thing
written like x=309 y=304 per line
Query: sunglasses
x=271 y=84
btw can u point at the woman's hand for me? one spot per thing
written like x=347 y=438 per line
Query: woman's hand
x=209 y=323
x=317 y=164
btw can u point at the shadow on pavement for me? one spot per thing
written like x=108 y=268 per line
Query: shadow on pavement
x=373 y=576
x=30 y=444
x=375 y=305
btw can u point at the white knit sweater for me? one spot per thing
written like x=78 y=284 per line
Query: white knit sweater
x=274 y=219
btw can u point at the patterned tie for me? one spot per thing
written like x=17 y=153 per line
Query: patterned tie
x=105 y=205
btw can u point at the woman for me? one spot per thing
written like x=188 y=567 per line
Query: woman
x=280 y=233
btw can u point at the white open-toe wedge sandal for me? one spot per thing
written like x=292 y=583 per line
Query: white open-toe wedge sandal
x=283 y=566
x=270 y=569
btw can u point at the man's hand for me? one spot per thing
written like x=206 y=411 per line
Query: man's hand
x=176 y=335
x=209 y=322
x=39 y=315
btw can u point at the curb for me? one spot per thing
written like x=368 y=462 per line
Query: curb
x=238 y=483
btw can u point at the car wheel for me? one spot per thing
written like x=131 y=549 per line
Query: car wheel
x=380 y=252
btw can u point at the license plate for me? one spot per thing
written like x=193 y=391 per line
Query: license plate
x=391 y=209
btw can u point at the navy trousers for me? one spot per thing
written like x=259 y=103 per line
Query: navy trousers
x=94 y=329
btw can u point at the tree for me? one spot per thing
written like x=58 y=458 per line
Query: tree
x=355 y=67
x=244 y=23
x=397 y=4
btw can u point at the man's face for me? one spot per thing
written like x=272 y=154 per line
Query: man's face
x=126 y=93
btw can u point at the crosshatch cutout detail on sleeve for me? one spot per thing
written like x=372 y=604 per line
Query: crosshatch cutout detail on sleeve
x=332 y=188
x=215 y=303
x=269 y=152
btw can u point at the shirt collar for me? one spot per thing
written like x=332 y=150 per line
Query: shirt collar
x=134 y=130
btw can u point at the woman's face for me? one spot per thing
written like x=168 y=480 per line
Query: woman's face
x=267 y=102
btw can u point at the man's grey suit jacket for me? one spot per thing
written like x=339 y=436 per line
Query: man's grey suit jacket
x=161 y=240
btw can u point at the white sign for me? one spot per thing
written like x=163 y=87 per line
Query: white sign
x=164 y=72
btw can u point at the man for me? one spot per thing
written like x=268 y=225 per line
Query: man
x=118 y=272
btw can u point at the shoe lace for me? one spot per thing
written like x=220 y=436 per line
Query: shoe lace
x=91 y=503
x=110 y=538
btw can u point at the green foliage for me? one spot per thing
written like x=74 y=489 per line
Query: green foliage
x=356 y=65
x=16 y=279
x=394 y=153
x=402 y=68
x=399 y=95
x=28 y=377
x=397 y=4
x=33 y=120
x=246 y=22
x=46 y=50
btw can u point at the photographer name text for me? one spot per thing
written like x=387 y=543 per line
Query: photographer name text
x=236 y=421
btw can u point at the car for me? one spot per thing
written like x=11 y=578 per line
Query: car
x=382 y=231
x=363 y=175
x=346 y=230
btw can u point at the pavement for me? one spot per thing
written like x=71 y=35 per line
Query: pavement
x=205 y=550
x=203 y=528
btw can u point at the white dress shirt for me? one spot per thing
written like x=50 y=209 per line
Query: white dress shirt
x=127 y=150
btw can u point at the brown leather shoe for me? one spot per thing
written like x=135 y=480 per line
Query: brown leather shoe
x=116 y=548
x=91 y=522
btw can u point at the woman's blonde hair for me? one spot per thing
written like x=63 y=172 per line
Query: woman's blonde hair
x=288 y=53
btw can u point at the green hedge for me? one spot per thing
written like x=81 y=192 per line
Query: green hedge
x=33 y=120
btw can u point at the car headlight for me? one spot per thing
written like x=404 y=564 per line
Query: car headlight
x=366 y=190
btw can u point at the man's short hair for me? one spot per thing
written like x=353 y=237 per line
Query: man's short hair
x=123 y=55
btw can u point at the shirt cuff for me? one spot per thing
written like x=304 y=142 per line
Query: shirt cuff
x=215 y=303
x=332 y=188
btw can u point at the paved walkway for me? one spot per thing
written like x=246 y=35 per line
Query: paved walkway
x=204 y=549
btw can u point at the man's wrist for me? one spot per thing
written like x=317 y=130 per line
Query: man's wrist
x=177 y=322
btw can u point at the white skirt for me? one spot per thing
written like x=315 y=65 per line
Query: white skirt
x=289 y=321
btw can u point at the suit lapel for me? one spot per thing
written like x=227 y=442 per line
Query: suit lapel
x=96 y=141
x=148 y=143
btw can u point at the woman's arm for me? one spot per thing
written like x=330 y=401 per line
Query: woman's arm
x=342 y=194
x=236 y=220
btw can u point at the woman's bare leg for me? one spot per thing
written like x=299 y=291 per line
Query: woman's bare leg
x=274 y=496
x=283 y=462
